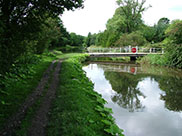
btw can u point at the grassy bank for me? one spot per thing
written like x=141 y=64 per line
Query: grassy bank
x=111 y=59
x=78 y=110
x=171 y=58
x=154 y=60
x=17 y=86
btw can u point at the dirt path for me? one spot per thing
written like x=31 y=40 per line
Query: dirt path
x=40 y=119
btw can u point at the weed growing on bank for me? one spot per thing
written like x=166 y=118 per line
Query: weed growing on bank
x=19 y=83
x=78 y=110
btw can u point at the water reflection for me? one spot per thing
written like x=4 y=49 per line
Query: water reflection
x=146 y=102
x=127 y=94
x=173 y=92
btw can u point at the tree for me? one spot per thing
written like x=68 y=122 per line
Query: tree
x=160 y=29
x=22 y=20
x=127 y=19
x=49 y=35
x=132 y=11
x=148 y=32
x=174 y=32
x=64 y=39
x=76 y=40
x=133 y=39
x=117 y=22
x=88 y=39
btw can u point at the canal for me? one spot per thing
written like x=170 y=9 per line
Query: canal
x=146 y=100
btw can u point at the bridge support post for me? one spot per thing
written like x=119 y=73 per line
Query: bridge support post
x=133 y=58
x=129 y=48
x=136 y=49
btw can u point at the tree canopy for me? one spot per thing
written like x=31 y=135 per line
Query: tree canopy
x=132 y=12
x=29 y=25
x=174 y=32
x=127 y=19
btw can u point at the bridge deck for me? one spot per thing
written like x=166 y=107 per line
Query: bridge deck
x=120 y=54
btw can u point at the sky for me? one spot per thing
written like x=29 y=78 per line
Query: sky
x=95 y=14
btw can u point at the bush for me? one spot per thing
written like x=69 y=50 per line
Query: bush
x=155 y=59
x=174 y=55
x=174 y=32
x=133 y=39
x=68 y=49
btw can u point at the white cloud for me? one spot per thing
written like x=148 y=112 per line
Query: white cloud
x=95 y=14
x=92 y=18
x=162 y=8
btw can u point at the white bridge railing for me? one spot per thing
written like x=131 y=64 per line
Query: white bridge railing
x=127 y=49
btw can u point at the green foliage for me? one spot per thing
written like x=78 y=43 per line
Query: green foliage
x=117 y=22
x=48 y=35
x=88 y=40
x=19 y=70
x=174 y=32
x=127 y=19
x=71 y=49
x=74 y=111
x=160 y=29
x=114 y=130
x=76 y=40
x=155 y=59
x=16 y=85
x=107 y=38
x=148 y=32
x=29 y=26
x=133 y=39
x=156 y=33
x=132 y=11
x=171 y=58
x=174 y=55
x=172 y=44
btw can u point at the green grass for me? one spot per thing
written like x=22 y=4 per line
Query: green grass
x=77 y=109
x=68 y=55
x=111 y=59
x=20 y=85
x=16 y=92
x=154 y=60
x=26 y=122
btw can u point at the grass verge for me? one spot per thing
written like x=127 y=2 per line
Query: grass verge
x=154 y=60
x=18 y=90
x=111 y=59
x=77 y=109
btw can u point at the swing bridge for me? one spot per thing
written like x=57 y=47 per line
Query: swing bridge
x=132 y=52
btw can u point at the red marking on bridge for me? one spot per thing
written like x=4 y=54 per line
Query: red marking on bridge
x=132 y=70
x=133 y=50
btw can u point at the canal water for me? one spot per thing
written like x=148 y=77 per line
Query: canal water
x=146 y=100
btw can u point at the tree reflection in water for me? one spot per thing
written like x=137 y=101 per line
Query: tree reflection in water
x=127 y=94
x=172 y=86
